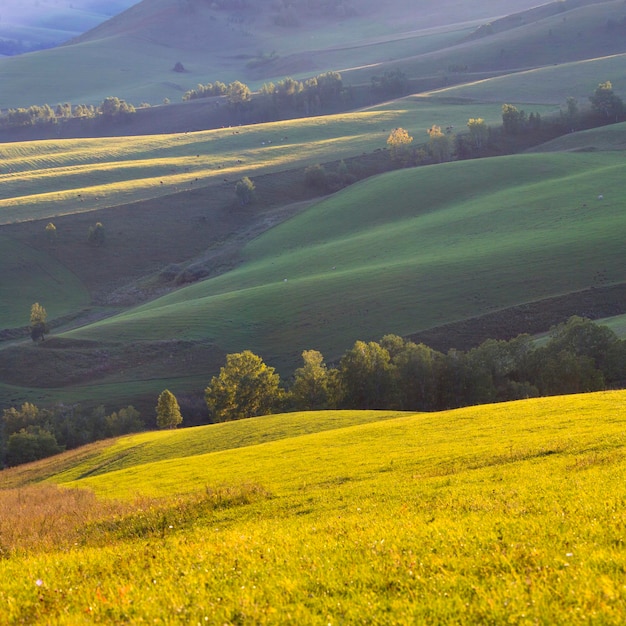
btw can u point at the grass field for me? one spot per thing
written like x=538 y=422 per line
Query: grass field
x=553 y=84
x=508 y=513
x=407 y=250
x=31 y=276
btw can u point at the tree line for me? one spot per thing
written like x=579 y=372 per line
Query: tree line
x=392 y=373
x=519 y=130
x=288 y=94
x=110 y=108
x=395 y=373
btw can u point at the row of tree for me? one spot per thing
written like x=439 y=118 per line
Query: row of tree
x=518 y=130
x=29 y=433
x=109 y=108
x=394 y=373
x=309 y=96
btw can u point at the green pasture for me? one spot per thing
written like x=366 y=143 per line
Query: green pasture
x=510 y=513
x=41 y=179
x=612 y=137
x=552 y=84
x=30 y=276
x=403 y=252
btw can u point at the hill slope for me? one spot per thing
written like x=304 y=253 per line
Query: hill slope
x=468 y=516
x=133 y=55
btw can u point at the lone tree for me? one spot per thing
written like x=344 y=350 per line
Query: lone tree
x=245 y=190
x=38 y=326
x=399 y=146
x=168 y=411
x=245 y=387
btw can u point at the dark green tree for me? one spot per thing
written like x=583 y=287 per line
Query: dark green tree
x=167 y=410
x=245 y=191
x=513 y=120
x=245 y=387
x=96 y=234
x=606 y=103
x=313 y=383
x=366 y=377
x=30 y=444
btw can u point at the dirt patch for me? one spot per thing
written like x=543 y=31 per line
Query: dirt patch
x=531 y=318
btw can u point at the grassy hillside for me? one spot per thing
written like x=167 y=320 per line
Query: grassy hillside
x=406 y=251
x=580 y=33
x=487 y=514
x=30 y=276
x=547 y=84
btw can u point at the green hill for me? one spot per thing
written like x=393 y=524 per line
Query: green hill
x=484 y=514
x=133 y=54
x=408 y=250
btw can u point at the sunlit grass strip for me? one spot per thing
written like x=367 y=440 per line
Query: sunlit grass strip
x=493 y=514
x=54 y=177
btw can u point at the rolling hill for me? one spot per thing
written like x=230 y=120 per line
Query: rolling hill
x=133 y=54
x=33 y=24
x=408 y=250
x=404 y=252
x=477 y=515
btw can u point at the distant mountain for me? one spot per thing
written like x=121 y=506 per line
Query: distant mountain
x=27 y=25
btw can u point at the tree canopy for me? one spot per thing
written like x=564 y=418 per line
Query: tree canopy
x=245 y=387
x=167 y=410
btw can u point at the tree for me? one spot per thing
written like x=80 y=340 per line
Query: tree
x=244 y=190
x=238 y=94
x=439 y=144
x=513 y=120
x=124 y=421
x=479 y=131
x=366 y=376
x=316 y=176
x=398 y=144
x=96 y=234
x=606 y=103
x=168 y=411
x=30 y=444
x=245 y=387
x=312 y=388
x=573 y=112
x=38 y=325
x=51 y=233
x=113 y=106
